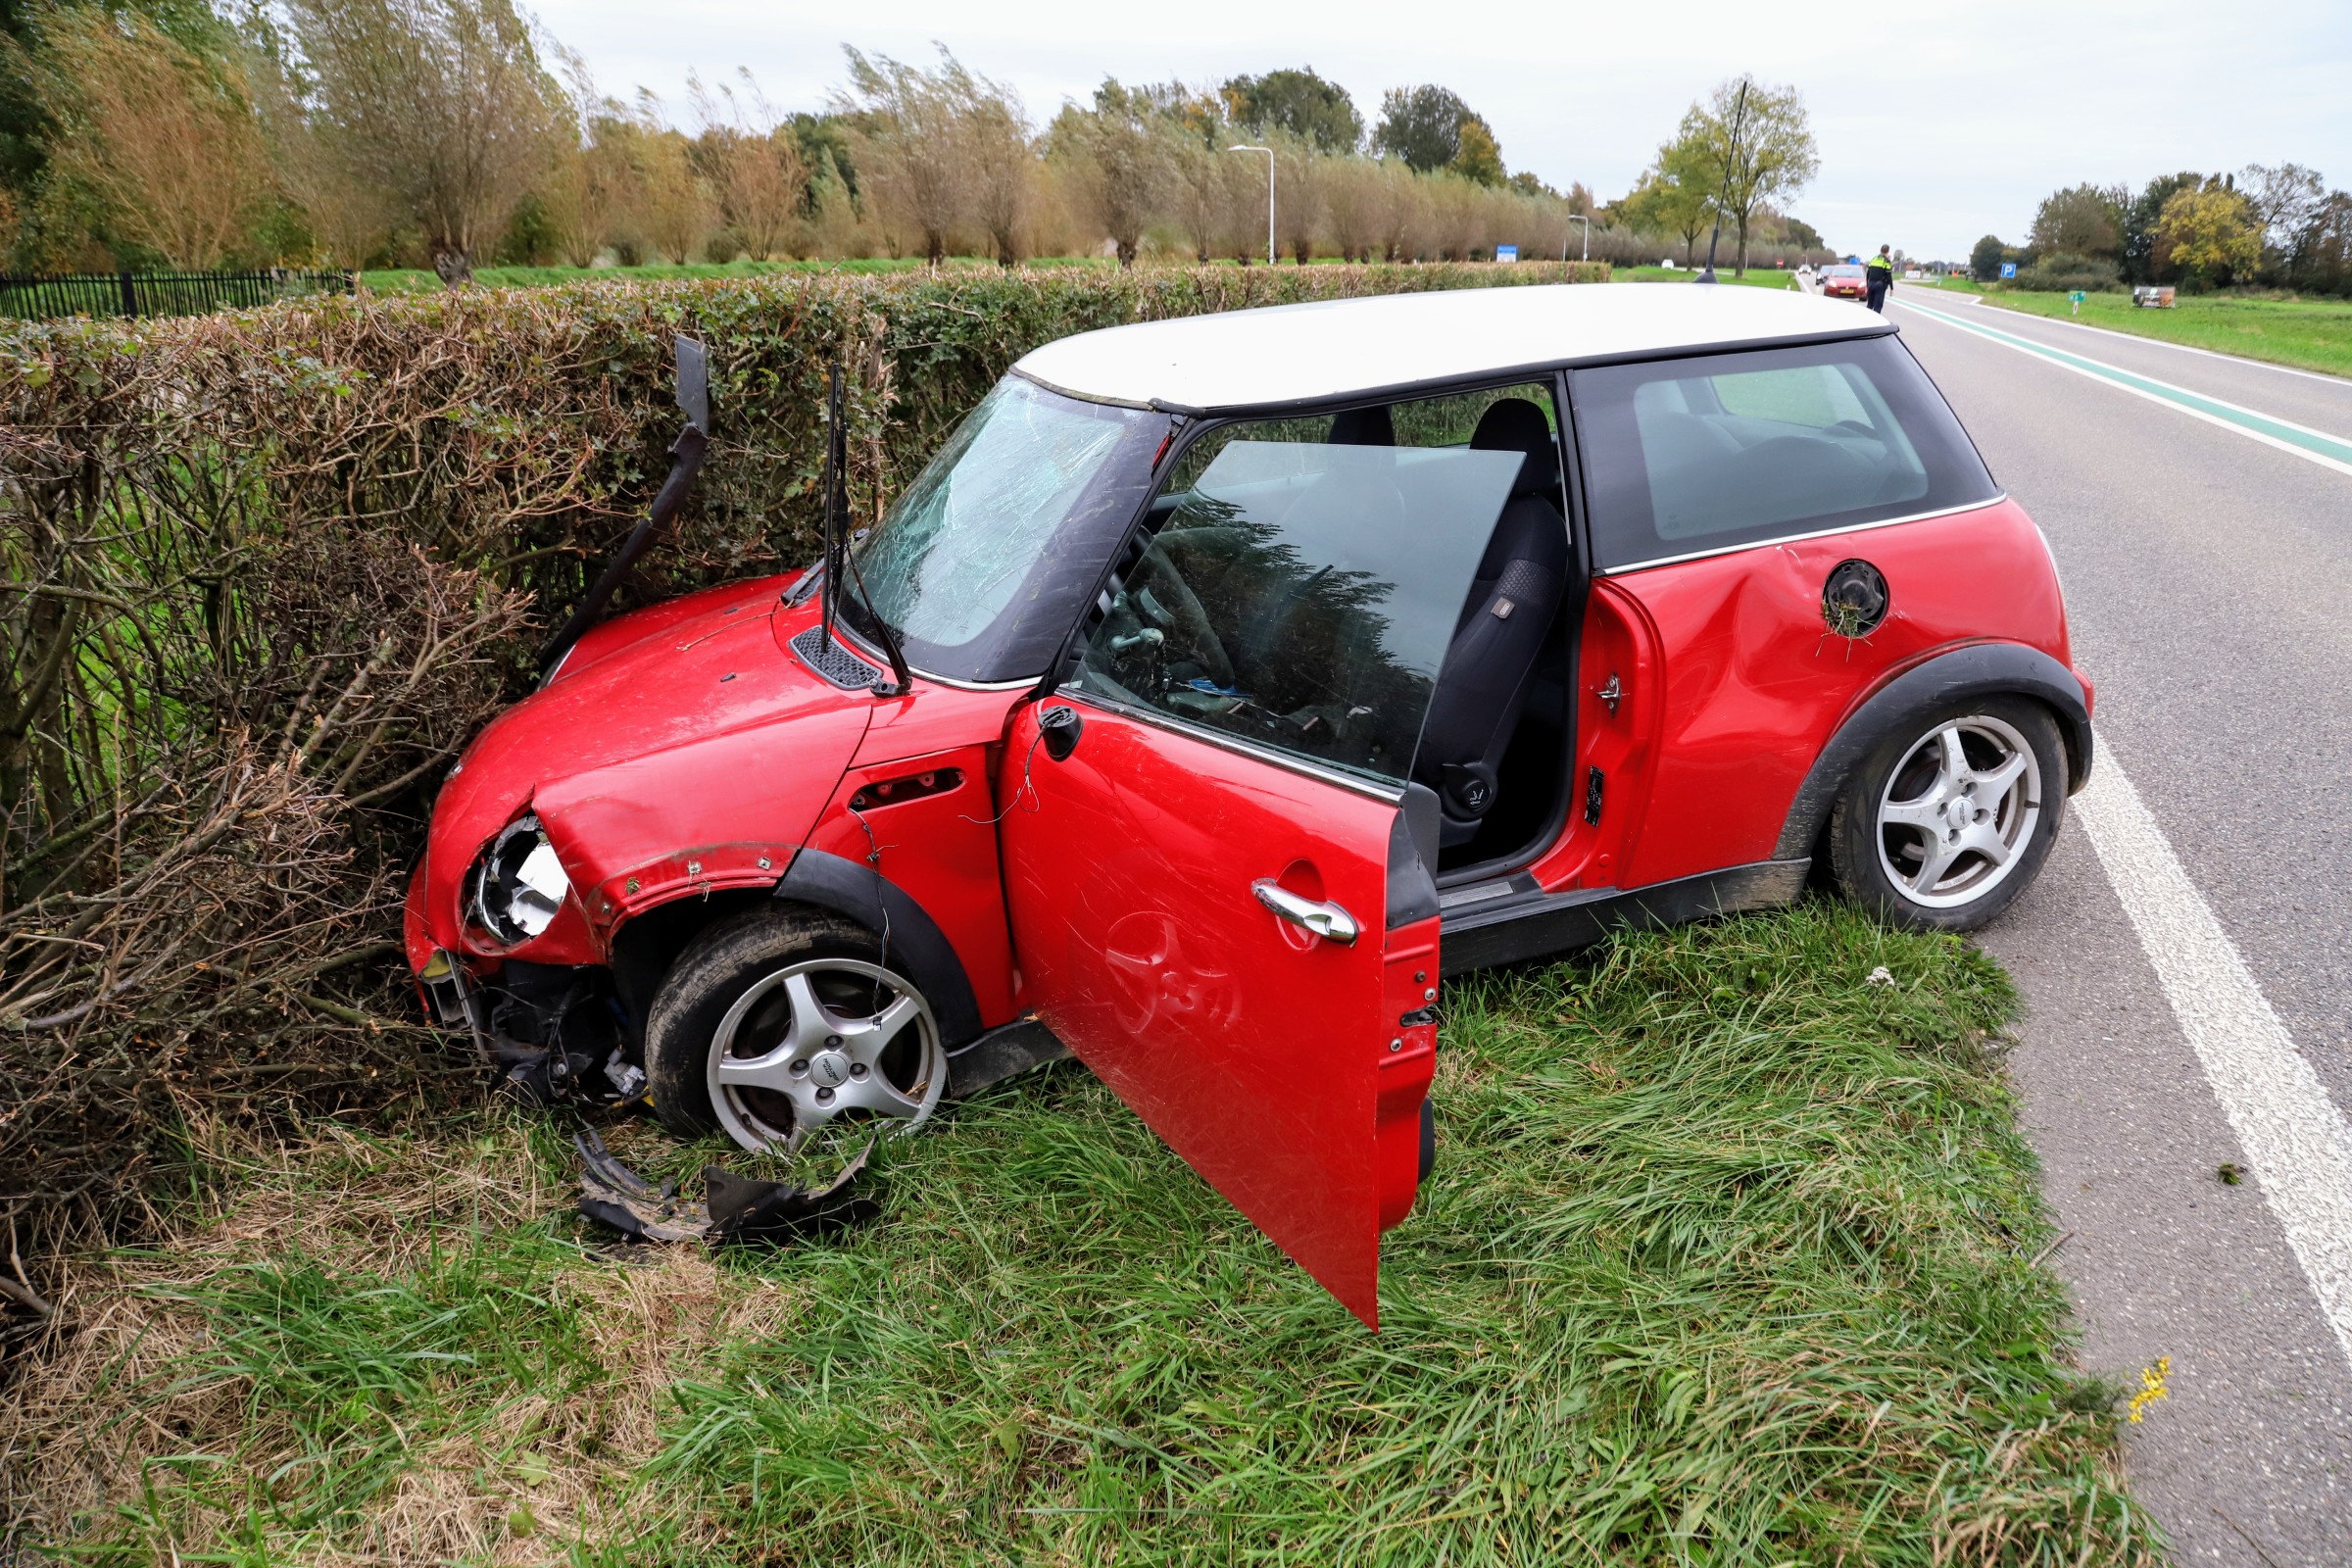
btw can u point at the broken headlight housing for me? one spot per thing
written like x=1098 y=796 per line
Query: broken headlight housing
x=519 y=886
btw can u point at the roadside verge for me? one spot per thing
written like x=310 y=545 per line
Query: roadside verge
x=1733 y=1252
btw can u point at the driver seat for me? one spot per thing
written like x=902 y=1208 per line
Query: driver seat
x=1513 y=599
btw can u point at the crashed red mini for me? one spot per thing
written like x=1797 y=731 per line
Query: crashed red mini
x=1223 y=683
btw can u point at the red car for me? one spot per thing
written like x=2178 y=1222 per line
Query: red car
x=1223 y=683
x=1843 y=282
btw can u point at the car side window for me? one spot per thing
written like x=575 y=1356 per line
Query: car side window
x=1305 y=577
x=1730 y=448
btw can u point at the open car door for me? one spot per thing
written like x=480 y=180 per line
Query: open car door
x=1217 y=868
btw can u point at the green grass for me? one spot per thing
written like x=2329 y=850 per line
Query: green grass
x=1758 y=276
x=2311 y=334
x=1728 y=1259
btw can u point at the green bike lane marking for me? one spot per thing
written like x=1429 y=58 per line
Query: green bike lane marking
x=2316 y=446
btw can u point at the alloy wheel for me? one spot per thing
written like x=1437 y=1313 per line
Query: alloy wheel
x=1958 y=812
x=820 y=1040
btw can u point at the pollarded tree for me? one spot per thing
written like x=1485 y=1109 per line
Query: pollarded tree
x=1758 y=143
x=997 y=151
x=1115 y=157
x=675 y=210
x=754 y=168
x=905 y=133
x=167 y=142
x=1300 y=186
x=443 y=105
x=1352 y=206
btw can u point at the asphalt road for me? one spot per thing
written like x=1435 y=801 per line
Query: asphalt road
x=2209 y=580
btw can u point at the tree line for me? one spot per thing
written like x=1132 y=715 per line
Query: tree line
x=455 y=133
x=2264 y=226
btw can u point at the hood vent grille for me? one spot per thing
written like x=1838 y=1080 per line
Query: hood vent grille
x=835 y=662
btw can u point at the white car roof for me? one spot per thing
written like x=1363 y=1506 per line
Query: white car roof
x=1289 y=353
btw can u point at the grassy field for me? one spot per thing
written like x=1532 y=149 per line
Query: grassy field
x=1731 y=1257
x=2312 y=334
x=1758 y=276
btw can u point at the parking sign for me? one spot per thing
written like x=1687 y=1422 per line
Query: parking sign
x=2008 y=269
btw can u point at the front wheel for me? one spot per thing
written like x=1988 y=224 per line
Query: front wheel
x=1949 y=820
x=778 y=1022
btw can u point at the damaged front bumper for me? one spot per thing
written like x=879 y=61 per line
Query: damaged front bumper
x=557 y=1030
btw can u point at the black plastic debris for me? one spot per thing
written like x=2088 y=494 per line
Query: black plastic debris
x=735 y=1209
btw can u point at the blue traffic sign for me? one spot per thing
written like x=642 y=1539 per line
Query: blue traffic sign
x=2008 y=269
x=1506 y=252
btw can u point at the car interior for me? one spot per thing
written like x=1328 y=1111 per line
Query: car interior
x=1271 y=597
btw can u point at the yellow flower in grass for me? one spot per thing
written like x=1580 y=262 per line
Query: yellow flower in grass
x=2151 y=1388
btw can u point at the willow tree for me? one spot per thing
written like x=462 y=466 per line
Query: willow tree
x=165 y=141
x=442 y=105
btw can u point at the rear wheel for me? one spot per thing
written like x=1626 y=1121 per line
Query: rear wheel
x=778 y=1022
x=1949 y=820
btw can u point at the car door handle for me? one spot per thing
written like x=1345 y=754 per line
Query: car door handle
x=1326 y=920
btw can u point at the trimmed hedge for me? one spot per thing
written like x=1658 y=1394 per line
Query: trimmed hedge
x=268 y=571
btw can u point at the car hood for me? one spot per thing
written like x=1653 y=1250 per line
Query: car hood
x=690 y=751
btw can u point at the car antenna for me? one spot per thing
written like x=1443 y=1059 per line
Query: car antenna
x=837 y=544
x=685 y=462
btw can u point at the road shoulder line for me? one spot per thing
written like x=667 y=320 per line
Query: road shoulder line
x=2294 y=1137
x=1981 y=303
x=2299 y=440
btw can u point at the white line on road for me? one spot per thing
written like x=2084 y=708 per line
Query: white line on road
x=2218 y=412
x=2294 y=1137
x=1980 y=303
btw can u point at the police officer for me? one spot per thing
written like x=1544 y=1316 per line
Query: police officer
x=1878 y=276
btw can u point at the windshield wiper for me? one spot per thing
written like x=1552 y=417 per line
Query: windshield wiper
x=837 y=546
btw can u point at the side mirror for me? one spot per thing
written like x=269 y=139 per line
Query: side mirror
x=694 y=383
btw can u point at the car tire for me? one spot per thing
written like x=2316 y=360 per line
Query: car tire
x=1948 y=819
x=776 y=1022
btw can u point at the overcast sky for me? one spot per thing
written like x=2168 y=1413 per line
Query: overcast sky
x=1937 y=123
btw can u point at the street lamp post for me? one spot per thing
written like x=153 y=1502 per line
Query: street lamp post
x=1578 y=217
x=1269 y=152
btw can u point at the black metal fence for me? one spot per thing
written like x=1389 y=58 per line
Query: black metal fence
x=33 y=297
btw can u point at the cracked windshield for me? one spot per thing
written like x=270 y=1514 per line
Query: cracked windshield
x=951 y=555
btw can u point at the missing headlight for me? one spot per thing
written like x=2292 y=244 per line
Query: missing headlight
x=519 y=884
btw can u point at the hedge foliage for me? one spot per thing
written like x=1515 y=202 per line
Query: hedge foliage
x=267 y=573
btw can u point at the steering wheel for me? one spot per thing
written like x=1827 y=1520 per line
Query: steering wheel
x=1188 y=632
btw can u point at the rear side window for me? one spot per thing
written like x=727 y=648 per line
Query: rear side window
x=1684 y=456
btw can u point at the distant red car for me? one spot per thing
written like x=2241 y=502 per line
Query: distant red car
x=1222 y=683
x=1842 y=282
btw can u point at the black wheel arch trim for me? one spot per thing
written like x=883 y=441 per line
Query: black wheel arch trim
x=913 y=942
x=1980 y=670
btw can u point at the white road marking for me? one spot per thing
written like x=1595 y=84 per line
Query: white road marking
x=1981 y=303
x=2294 y=1139
x=2163 y=394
